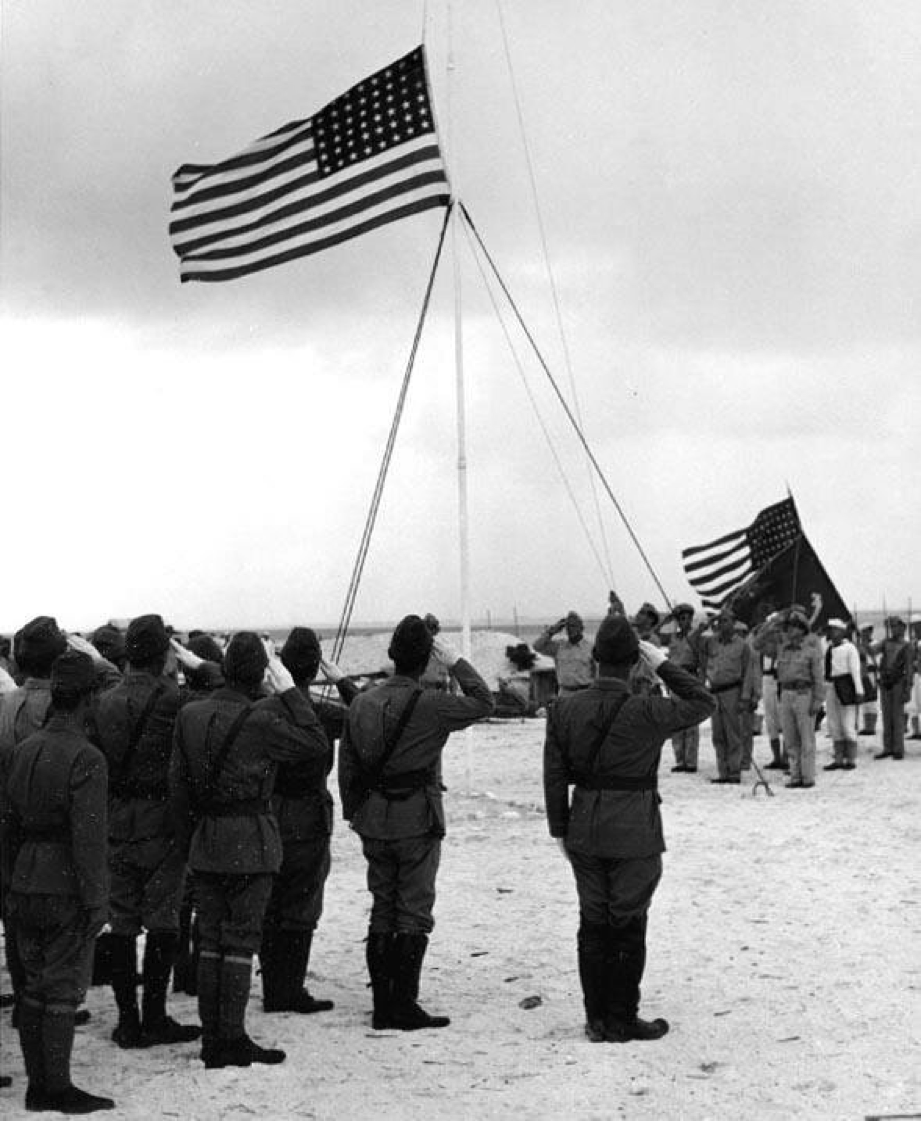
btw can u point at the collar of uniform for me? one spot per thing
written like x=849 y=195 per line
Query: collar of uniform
x=226 y=693
x=141 y=675
x=37 y=684
x=401 y=679
x=610 y=685
x=64 y=721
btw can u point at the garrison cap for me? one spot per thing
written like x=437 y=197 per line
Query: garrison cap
x=301 y=653
x=794 y=618
x=205 y=647
x=650 y=610
x=37 y=645
x=147 y=637
x=411 y=643
x=895 y=621
x=110 y=642
x=73 y=672
x=245 y=658
x=683 y=609
x=615 y=641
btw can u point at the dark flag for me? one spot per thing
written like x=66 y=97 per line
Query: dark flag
x=768 y=565
x=367 y=158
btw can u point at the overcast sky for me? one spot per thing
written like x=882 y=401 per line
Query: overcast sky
x=731 y=198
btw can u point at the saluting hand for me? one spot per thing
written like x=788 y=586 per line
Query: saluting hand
x=277 y=677
x=654 y=656
x=331 y=671
x=185 y=657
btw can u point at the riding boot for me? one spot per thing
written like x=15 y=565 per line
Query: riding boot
x=776 y=763
x=296 y=945
x=236 y=1048
x=31 y=1017
x=379 y=955
x=127 y=1032
x=409 y=953
x=627 y=949
x=157 y=1026
x=272 y=968
x=59 y=1093
x=208 y=984
x=184 y=966
x=594 y=976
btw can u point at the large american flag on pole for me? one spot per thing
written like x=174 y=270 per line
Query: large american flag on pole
x=367 y=158
x=720 y=568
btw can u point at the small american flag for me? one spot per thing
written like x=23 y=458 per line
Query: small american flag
x=369 y=157
x=720 y=568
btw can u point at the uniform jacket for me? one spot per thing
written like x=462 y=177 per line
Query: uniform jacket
x=801 y=660
x=895 y=664
x=302 y=801
x=277 y=729
x=53 y=815
x=575 y=666
x=614 y=823
x=138 y=776
x=406 y=801
x=729 y=662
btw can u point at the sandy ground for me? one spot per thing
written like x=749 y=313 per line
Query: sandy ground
x=784 y=949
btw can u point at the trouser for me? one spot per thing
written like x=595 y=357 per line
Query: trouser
x=296 y=902
x=614 y=898
x=726 y=724
x=771 y=705
x=401 y=879
x=798 y=725
x=146 y=886
x=231 y=909
x=842 y=719
x=686 y=744
x=55 y=951
x=892 y=702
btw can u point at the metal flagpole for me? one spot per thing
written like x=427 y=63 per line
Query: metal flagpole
x=462 y=517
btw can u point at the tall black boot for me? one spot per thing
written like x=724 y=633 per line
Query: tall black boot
x=14 y=965
x=777 y=761
x=156 y=1025
x=236 y=1048
x=208 y=984
x=272 y=969
x=409 y=953
x=627 y=947
x=184 y=966
x=379 y=954
x=296 y=946
x=594 y=976
x=60 y=1094
x=31 y=1016
x=127 y=1032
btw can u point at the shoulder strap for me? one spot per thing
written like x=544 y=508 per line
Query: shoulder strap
x=393 y=739
x=138 y=730
x=224 y=750
x=16 y=715
x=604 y=732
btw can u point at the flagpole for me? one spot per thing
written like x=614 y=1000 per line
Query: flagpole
x=462 y=512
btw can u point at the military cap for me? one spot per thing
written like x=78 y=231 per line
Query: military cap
x=574 y=617
x=37 y=645
x=110 y=642
x=648 y=609
x=301 y=653
x=839 y=624
x=411 y=643
x=682 y=609
x=146 y=638
x=616 y=641
x=895 y=621
x=245 y=658
x=740 y=627
x=205 y=647
x=794 y=618
x=72 y=672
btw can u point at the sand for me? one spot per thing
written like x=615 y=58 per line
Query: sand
x=783 y=948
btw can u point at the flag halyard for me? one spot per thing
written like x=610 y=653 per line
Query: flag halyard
x=368 y=158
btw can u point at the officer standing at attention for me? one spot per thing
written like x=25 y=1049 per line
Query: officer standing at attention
x=575 y=667
x=389 y=782
x=801 y=684
x=53 y=814
x=135 y=722
x=222 y=774
x=727 y=659
x=304 y=808
x=895 y=673
x=607 y=743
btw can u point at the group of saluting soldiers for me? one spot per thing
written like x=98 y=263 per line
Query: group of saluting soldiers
x=794 y=671
x=124 y=794
x=142 y=779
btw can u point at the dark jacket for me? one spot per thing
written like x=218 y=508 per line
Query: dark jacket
x=53 y=815
x=403 y=800
x=228 y=824
x=608 y=822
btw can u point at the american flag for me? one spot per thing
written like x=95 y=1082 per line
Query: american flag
x=720 y=568
x=369 y=157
